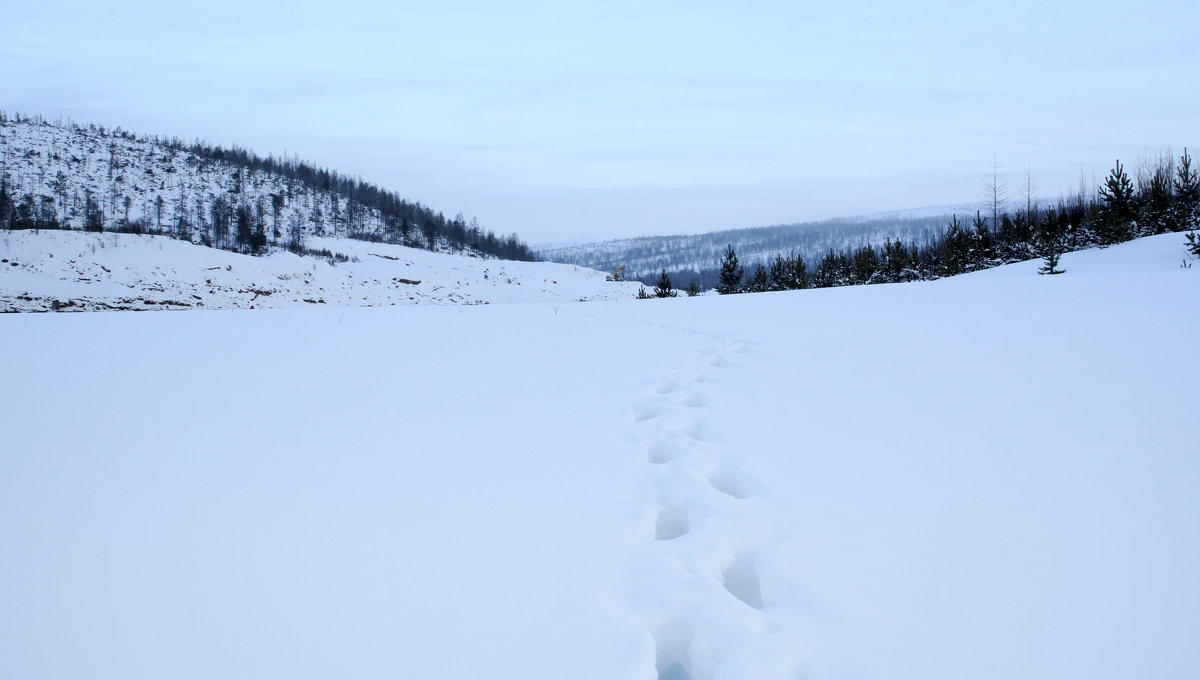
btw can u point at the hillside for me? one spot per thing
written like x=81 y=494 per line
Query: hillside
x=697 y=257
x=78 y=271
x=987 y=476
x=88 y=178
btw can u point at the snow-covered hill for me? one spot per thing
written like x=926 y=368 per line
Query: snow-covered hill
x=69 y=270
x=989 y=476
x=90 y=178
x=698 y=256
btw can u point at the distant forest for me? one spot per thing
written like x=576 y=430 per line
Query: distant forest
x=229 y=198
x=696 y=257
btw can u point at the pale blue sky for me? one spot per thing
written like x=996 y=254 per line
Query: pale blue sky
x=575 y=120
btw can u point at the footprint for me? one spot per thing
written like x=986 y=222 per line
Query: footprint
x=694 y=400
x=672 y=651
x=662 y=451
x=672 y=523
x=730 y=483
x=741 y=581
x=664 y=387
x=694 y=429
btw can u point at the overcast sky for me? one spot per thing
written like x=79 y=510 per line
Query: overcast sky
x=585 y=120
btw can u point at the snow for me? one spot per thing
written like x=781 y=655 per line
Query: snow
x=84 y=271
x=988 y=476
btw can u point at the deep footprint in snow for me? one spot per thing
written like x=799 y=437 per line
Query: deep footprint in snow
x=664 y=387
x=741 y=581
x=730 y=483
x=672 y=523
x=693 y=400
x=672 y=652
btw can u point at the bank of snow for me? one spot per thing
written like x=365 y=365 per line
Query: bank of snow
x=83 y=271
x=989 y=476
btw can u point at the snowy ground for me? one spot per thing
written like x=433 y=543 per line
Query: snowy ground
x=990 y=476
x=77 y=271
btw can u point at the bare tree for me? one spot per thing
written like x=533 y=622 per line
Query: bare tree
x=1028 y=190
x=996 y=193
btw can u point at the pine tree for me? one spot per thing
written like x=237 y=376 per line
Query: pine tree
x=956 y=249
x=693 y=288
x=866 y=263
x=662 y=289
x=1115 y=222
x=1050 y=234
x=826 y=274
x=731 y=273
x=799 y=272
x=760 y=280
x=780 y=274
x=1156 y=202
x=1186 y=187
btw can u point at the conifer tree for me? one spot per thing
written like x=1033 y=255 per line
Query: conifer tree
x=731 y=273
x=956 y=249
x=1115 y=223
x=6 y=204
x=1156 y=202
x=780 y=274
x=760 y=280
x=662 y=289
x=1050 y=234
x=799 y=272
x=1186 y=187
x=693 y=288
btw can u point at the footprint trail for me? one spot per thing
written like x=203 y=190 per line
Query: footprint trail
x=697 y=584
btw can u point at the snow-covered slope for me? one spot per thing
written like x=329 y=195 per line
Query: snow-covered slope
x=89 y=178
x=81 y=271
x=990 y=476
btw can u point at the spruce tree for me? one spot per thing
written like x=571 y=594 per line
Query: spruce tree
x=780 y=274
x=693 y=289
x=1193 y=243
x=799 y=272
x=662 y=289
x=1156 y=205
x=1050 y=235
x=760 y=280
x=956 y=249
x=1186 y=187
x=1115 y=221
x=730 y=280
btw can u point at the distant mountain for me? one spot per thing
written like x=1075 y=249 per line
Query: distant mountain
x=70 y=176
x=696 y=257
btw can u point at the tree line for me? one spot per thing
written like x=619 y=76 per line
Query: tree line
x=1166 y=198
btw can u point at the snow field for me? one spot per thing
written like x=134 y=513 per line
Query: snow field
x=80 y=271
x=991 y=476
